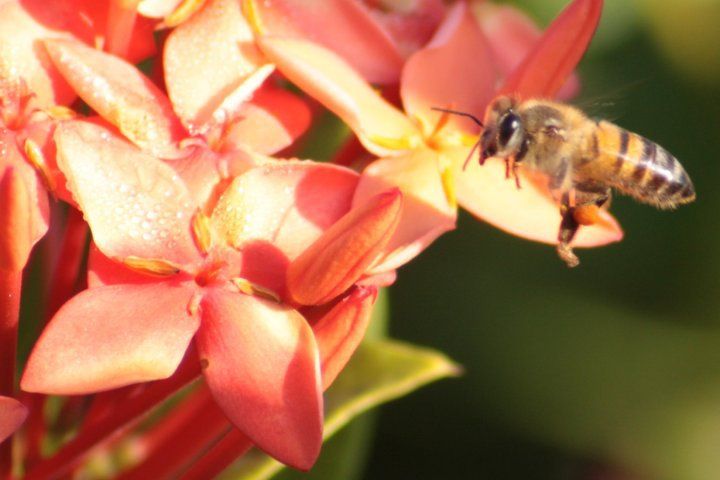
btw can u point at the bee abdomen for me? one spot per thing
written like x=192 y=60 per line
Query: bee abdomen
x=643 y=169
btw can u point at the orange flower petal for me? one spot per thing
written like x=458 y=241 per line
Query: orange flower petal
x=207 y=58
x=332 y=81
x=547 y=67
x=426 y=213
x=454 y=70
x=345 y=251
x=289 y=204
x=344 y=26
x=135 y=204
x=121 y=94
x=270 y=122
x=261 y=364
x=20 y=59
x=528 y=212
x=157 y=8
x=12 y=415
x=512 y=36
x=339 y=332
x=109 y=337
x=25 y=23
x=24 y=206
x=103 y=271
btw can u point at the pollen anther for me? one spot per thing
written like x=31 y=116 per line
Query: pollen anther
x=249 y=288
x=151 y=266
x=201 y=231
x=35 y=156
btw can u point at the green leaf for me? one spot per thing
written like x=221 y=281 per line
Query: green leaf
x=380 y=370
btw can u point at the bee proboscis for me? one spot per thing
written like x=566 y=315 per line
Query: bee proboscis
x=583 y=159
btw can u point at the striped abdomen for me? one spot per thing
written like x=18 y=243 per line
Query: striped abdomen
x=643 y=169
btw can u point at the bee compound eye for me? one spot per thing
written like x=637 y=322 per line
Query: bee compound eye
x=509 y=125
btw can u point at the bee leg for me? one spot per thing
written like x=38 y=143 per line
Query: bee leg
x=515 y=174
x=604 y=201
x=568 y=228
x=507 y=168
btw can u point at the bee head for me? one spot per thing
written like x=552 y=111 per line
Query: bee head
x=504 y=134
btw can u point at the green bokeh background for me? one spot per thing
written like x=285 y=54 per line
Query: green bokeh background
x=616 y=362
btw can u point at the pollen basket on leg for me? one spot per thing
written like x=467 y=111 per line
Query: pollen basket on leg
x=135 y=204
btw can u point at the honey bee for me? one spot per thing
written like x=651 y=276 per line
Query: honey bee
x=583 y=159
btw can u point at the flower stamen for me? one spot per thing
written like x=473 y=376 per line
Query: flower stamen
x=151 y=266
x=36 y=158
x=249 y=288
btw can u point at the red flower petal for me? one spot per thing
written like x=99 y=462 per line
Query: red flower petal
x=289 y=204
x=207 y=58
x=262 y=367
x=552 y=60
x=135 y=204
x=157 y=8
x=528 y=212
x=24 y=210
x=426 y=213
x=339 y=332
x=109 y=337
x=345 y=26
x=333 y=82
x=345 y=251
x=270 y=122
x=121 y=94
x=454 y=70
x=103 y=271
x=12 y=415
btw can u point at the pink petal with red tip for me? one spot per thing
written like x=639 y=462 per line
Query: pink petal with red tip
x=339 y=332
x=344 y=26
x=135 y=204
x=261 y=364
x=547 y=67
x=426 y=213
x=454 y=71
x=270 y=122
x=24 y=210
x=512 y=35
x=12 y=415
x=104 y=271
x=121 y=94
x=332 y=81
x=528 y=212
x=109 y=337
x=289 y=204
x=345 y=251
x=207 y=58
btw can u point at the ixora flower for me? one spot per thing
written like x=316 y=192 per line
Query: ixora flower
x=422 y=151
x=219 y=280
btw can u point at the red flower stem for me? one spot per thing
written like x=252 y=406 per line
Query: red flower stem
x=219 y=457
x=125 y=412
x=62 y=285
x=183 y=435
x=10 y=289
x=67 y=271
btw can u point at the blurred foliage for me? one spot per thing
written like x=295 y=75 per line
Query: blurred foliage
x=617 y=361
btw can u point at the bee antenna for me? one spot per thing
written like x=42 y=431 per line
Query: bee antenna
x=464 y=114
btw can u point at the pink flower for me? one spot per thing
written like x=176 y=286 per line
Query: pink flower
x=218 y=278
x=421 y=151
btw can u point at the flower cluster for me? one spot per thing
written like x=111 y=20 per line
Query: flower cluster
x=169 y=131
